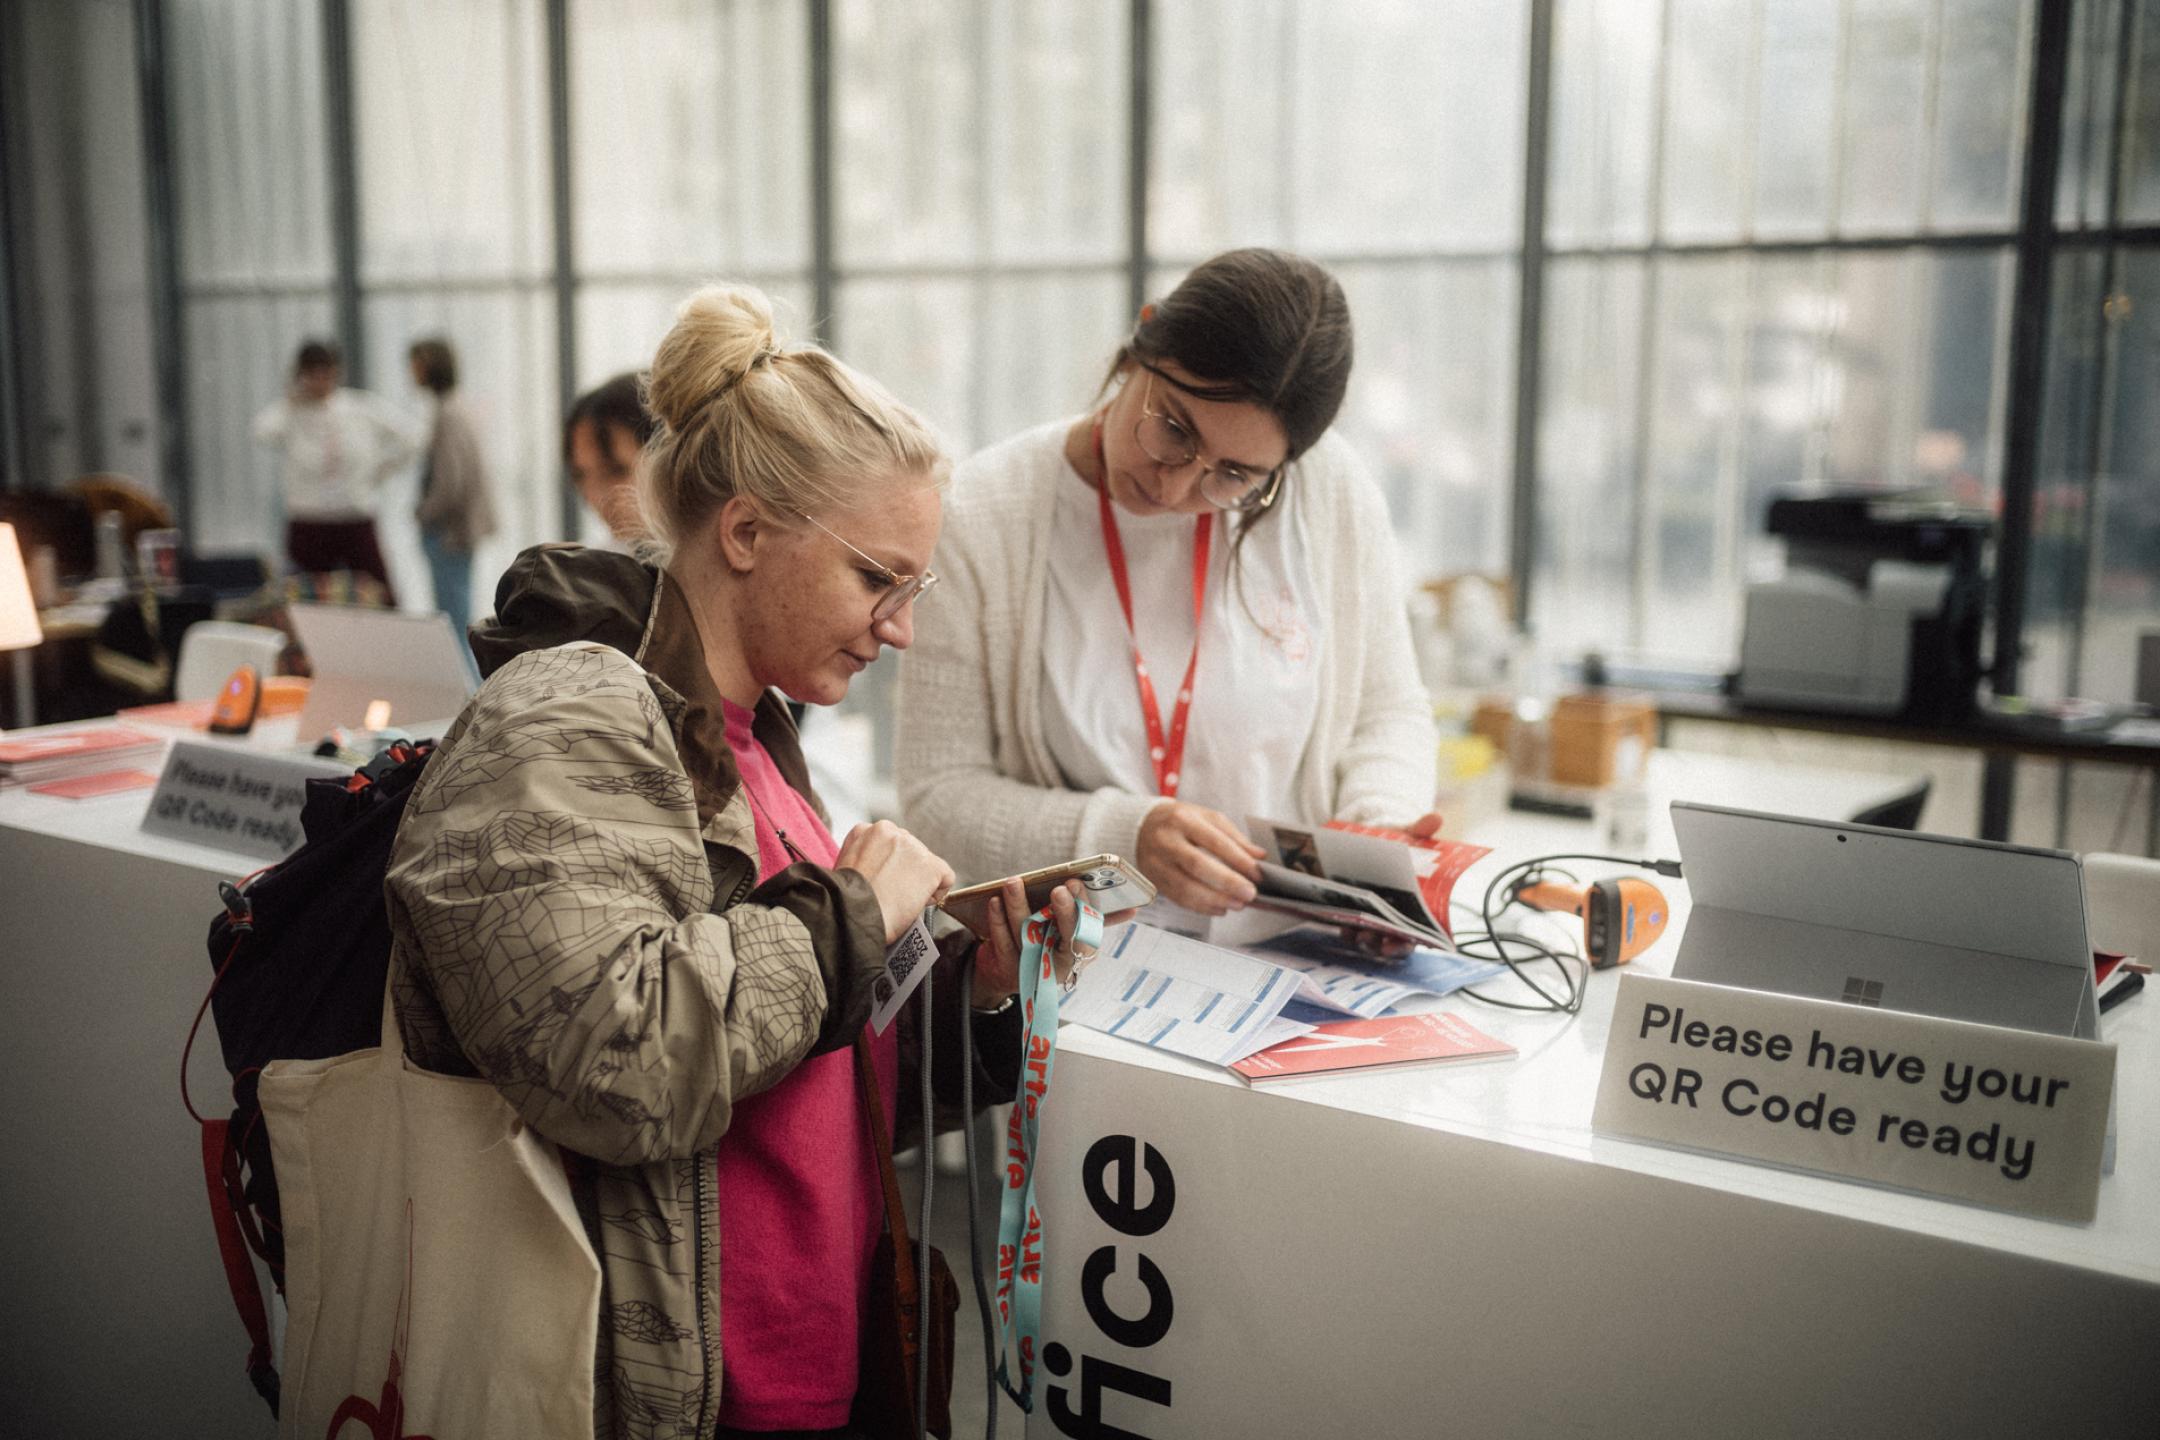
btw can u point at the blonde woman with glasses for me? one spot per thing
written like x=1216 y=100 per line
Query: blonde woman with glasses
x=1179 y=609
x=614 y=894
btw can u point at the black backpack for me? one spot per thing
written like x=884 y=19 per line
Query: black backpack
x=300 y=952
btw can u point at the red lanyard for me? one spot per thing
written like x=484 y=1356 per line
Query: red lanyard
x=1166 y=753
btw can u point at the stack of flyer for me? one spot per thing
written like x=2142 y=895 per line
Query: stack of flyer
x=1431 y=1038
x=1198 y=1000
x=36 y=759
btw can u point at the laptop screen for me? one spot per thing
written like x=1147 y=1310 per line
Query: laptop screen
x=405 y=668
x=1967 y=929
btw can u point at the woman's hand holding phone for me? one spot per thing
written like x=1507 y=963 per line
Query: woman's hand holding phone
x=905 y=876
x=997 y=958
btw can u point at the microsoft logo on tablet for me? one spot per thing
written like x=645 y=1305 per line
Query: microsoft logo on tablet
x=1862 y=992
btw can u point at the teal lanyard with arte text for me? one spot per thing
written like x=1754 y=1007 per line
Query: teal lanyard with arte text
x=1020 y=1230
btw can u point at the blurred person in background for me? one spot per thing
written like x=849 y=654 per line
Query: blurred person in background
x=456 y=509
x=335 y=446
x=604 y=436
x=1178 y=609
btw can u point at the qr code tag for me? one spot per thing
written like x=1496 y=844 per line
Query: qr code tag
x=905 y=965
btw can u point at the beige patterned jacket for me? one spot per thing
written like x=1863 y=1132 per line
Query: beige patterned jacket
x=572 y=908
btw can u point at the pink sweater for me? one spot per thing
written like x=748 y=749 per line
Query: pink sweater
x=800 y=1202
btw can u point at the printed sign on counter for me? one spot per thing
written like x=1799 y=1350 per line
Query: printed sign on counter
x=2009 y=1118
x=247 y=801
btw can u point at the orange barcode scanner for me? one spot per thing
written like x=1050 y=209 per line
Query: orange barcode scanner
x=1621 y=918
x=238 y=699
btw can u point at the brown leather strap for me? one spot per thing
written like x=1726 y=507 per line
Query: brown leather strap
x=881 y=1142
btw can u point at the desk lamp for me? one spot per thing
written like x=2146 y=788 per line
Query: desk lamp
x=19 y=628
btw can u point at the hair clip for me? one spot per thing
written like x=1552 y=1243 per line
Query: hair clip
x=1147 y=312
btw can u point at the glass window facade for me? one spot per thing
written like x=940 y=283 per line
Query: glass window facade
x=1779 y=246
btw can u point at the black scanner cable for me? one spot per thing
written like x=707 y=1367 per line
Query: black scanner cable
x=1494 y=944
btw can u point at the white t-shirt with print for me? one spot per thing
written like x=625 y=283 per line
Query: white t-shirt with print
x=1254 y=695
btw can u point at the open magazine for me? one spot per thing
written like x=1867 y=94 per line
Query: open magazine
x=1366 y=876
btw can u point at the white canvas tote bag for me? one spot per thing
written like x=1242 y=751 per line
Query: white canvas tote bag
x=437 y=1280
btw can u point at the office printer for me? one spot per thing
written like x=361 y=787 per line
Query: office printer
x=1879 y=612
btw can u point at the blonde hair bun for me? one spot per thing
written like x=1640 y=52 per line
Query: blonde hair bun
x=795 y=430
x=721 y=333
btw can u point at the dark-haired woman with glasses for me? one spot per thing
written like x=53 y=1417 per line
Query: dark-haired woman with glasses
x=1177 y=610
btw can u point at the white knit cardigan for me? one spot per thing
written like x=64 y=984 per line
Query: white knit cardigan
x=976 y=779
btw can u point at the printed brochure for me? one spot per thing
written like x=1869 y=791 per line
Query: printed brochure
x=1366 y=876
x=1367 y=1045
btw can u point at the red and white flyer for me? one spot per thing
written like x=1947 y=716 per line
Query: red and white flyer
x=1383 y=1044
x=30 y=758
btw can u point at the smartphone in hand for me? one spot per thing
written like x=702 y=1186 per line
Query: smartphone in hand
x=1109 y=883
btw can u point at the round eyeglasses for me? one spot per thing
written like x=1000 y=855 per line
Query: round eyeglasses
x=900 y=590
x=1167 y=441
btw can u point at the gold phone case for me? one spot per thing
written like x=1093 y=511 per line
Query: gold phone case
x=1112 y=884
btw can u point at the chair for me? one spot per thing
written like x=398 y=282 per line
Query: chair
x=134 y=655
x=2122 y=904
x=212 y=649
x=1901 y=813
x=139 y=507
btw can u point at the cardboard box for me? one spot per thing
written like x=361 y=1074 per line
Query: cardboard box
x=1591 y=741
x=1600 y=740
